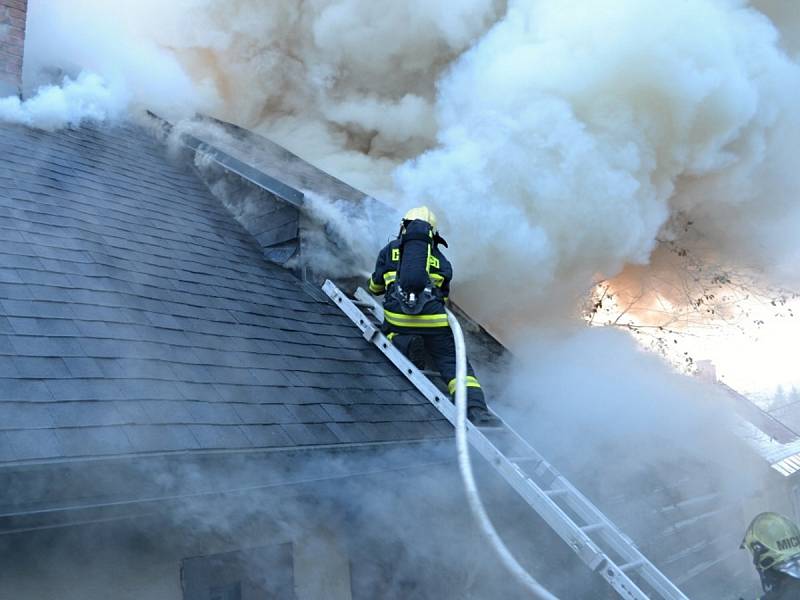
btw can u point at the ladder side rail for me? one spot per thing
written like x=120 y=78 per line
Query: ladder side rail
x=375 y=307
x=608 y=531
x=363 y=295
x=620 y=542
x=586 y=549
x=371 y=333
x=569 y=531
x=522 y=482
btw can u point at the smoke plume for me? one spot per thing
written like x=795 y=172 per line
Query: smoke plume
x=86 y=98
x=356 y=105
x=558 y=145
x=569 y=150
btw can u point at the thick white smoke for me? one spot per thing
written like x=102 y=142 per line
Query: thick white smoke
x=88 y=61
x=86 y=98
x=356 y=104
x=559 y=143
x=786 y=17
x=578 y=379
x=568 y=140
x=622 y=425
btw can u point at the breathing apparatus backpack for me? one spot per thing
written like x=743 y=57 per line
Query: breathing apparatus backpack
x=413 y=288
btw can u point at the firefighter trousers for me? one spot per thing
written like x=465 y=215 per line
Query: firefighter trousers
x=441 y=348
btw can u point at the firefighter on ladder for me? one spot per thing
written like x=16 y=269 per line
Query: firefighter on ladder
x=774 y=543
x=415 y=276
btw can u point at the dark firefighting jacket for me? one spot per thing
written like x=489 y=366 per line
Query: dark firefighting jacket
x=440 y=272
x=779 y=586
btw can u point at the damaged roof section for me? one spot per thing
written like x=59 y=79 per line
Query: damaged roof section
x=264 y=162
x=301 y=217
x=769 y=433
x=137 y=316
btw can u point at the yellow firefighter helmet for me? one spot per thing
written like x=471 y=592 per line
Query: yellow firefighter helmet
x=423 y=213
x=772 y=539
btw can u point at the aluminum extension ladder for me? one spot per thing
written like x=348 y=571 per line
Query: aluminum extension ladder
x=590 y=534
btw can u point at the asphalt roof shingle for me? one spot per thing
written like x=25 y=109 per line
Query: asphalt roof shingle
x=136 y=315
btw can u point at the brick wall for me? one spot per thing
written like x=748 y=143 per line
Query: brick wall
x=12 y=42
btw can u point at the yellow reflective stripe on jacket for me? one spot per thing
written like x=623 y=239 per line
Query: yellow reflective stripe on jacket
x=389 y=277
x=404 y=320
x=390 y=336
x=472 y=382
x=437 y=279
x=375 y=288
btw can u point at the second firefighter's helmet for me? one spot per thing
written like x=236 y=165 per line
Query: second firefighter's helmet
x=772 y=539
x=422 y=213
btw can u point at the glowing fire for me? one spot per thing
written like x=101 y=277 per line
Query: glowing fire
x=747 y=331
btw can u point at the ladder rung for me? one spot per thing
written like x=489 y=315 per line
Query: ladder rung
x=634 y=564
x=556 y=493
x=516 y=459
x=593 y=527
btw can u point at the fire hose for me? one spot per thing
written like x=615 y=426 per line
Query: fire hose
x=465 y=466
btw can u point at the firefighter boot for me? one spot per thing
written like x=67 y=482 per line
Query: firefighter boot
x=481 y=417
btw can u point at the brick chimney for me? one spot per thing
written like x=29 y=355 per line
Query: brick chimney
x=12 y=43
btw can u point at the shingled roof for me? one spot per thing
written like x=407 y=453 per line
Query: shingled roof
x=137 y=316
